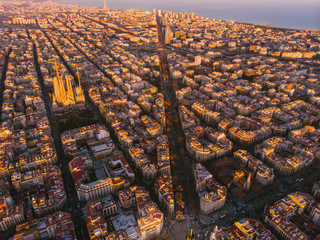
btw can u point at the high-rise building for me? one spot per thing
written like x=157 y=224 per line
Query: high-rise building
x=164 y=21
x=105 y=5
x=167 y=35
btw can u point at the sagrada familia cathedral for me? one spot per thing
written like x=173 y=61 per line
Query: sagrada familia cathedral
x=65 y=95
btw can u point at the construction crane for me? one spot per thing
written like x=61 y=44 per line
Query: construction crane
x=56 y=67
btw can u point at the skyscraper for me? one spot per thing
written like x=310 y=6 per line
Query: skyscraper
x=167 y=35
x=105 y=5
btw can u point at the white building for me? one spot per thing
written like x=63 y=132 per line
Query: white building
x=95 y=189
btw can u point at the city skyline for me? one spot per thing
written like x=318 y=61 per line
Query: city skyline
x=278 y=13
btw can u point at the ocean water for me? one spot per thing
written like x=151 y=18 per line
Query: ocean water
x=296 y=14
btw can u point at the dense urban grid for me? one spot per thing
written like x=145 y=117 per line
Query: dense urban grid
x=127 y=124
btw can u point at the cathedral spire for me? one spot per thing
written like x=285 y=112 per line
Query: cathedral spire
x=70 y=93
